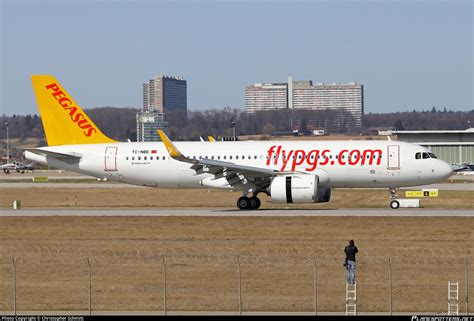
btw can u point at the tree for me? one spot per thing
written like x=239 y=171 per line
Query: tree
x=398 y=124
x=269 y=129
x=303 y=127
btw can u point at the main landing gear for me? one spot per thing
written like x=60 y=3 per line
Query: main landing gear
x=394 y=203
x=248 y=203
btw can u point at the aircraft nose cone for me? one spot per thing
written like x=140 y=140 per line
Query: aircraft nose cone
x=446 y=170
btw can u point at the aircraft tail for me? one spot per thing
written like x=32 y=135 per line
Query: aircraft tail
x=64 y=122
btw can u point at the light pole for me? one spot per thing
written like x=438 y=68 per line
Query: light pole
x=233 y=128
x=8 y=144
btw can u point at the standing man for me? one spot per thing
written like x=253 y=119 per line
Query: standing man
x=350 y=262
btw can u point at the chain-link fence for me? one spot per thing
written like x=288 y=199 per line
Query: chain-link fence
x=229 y=284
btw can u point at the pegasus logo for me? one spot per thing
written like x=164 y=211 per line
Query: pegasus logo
x=74 y=112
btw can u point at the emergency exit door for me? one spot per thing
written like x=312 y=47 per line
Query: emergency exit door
x=393 y=159
x=110 y=159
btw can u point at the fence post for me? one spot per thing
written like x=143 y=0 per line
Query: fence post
x=14 y=285
x=466 y=278
x=240 y=285
x=390 y=285
x=315 y=290
x=89 y=267
x=165 y=308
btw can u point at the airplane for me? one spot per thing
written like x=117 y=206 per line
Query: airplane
x=8 y=167
x=17 y=166
x=287 y=171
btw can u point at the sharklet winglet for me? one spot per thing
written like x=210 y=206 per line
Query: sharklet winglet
x=172 y=149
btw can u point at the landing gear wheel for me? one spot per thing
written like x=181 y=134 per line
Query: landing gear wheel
x=243 y=203
x=255 y=203
x=394 y=204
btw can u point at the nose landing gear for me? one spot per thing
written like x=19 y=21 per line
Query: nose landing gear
x=394 y=203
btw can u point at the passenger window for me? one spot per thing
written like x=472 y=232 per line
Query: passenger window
x=237 y=157
x=144 y=158
x=230 y=157
x=133 y=158
x=225 y=157
x=255 y=157
x=126 y=158
x=139 y=157
x=164 y=157
x=418 y=156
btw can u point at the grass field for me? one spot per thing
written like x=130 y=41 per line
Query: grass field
x=277 y=256
x=84 y=196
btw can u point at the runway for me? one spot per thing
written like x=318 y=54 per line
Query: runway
x=230 y=212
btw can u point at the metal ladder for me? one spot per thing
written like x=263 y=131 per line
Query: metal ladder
x=351 y=299
x=453 y=298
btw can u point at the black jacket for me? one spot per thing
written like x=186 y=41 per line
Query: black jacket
x=351 y=252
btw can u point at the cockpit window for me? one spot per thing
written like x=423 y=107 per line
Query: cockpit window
x=418 y=156
x=432 y=155
x=425 y=155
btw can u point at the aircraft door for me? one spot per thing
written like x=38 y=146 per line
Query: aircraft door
x=393 y=160
x=110 y=159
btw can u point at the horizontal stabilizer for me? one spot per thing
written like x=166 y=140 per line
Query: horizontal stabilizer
x=47 y=153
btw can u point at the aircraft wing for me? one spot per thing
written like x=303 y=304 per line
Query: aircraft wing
x=234 y=173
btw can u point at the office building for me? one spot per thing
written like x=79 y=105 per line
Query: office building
x=161 y=95
x=266 y=97
x=345 y=99
x=148 y=122
x=165 y=94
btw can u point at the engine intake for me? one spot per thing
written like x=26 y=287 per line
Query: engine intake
x=298 y=188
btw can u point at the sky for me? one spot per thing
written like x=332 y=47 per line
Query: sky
x=407 y=54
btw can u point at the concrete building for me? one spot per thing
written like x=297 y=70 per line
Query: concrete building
x=161 y=95
x=453 y=146
x=348 y=99
x=338 y=97
x=148 y=122
x=266 y=97
x=165 y=94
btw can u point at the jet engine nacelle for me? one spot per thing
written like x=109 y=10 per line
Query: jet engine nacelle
x=298 y=188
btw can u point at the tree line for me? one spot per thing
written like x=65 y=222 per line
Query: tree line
x=120 y=123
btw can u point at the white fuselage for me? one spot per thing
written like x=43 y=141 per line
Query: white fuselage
x=338 y=163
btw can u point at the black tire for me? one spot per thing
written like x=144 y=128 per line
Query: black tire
x=255 y=203
x=394 y=204
x=243 y=203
